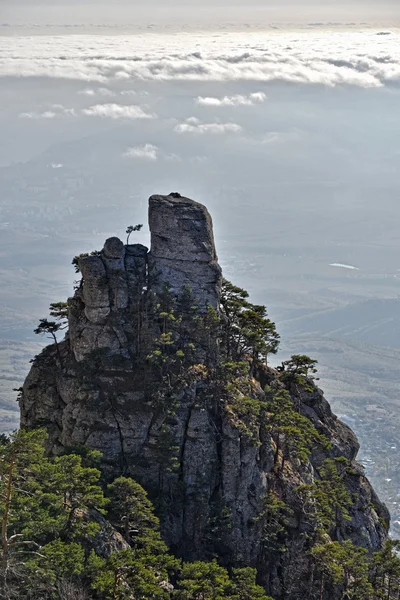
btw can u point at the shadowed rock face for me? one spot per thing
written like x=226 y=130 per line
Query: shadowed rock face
x=101 y=314
x=182 y=248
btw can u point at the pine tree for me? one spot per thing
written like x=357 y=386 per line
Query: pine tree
x=247 y=332
x=294 y=434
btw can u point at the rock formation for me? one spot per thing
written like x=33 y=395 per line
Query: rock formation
x=208 y=477
x=182 y=248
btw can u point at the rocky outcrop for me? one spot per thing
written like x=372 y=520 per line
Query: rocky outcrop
x=182 y=248
x=207 y=476
x=101 y=312
x=104 y=311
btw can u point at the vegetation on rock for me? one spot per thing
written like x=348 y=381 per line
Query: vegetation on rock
x=50 y=522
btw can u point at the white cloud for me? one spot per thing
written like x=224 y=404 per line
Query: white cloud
x=147 y=152
x=342 y=266
x=56 y=110
x=238 y=100
x=101 y=91
x=193 y=125
x=105 y=92
x=47 y=114
x=150 y=152
x=330 y=58
x=87 y=92
x=61 y=110
x=134 y=93
x=129 y=93
x=117 y=111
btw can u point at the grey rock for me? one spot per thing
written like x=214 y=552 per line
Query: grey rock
x=182 y=248
x=107 y=540
x=94 y=287
x=114 y=248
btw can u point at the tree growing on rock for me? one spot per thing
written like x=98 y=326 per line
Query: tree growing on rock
x=328 y=499
x=130 y=230
x=298 y=369
x=51 y=328
x=294 y=434
x=246 y=330
x=59 y=310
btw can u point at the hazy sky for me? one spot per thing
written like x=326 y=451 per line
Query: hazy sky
x=59 y=11
x=243 y=3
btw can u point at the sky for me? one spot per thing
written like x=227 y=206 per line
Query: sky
x=177 y=11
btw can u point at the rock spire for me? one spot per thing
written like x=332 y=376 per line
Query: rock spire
x=113 y=281
x=182 y=248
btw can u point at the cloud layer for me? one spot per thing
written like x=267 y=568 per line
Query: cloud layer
x=117 y=111
x=194 y=125
x=237 y=100
x=331 y=58
x=146 y=152
x=55 y=111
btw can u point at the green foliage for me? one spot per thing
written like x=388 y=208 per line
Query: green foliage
x=300 y=370
x=126 y=575
x=294 y=434
x=131 y=512
x=244 y=586
x=51 y=328
x=328 y=499
x=130 y=230
x=80 y=490
x=46 y=326
x=21 y=457
x=174 y=351
x=59 y=310
x=141 y=571
x=246 y=330
x=89 y=457
x=274 y=520
x=235 y=389
x=46 y=508
x=219 y=527
x=245 y=412
x=210 y=581
x=207 y=581
x=385 y=571
x=343 y=565
x=64 y=559
x=43 y=505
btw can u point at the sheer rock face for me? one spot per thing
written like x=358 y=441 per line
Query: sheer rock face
x=101 y=312
x=182 y=248
x=212 y=498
